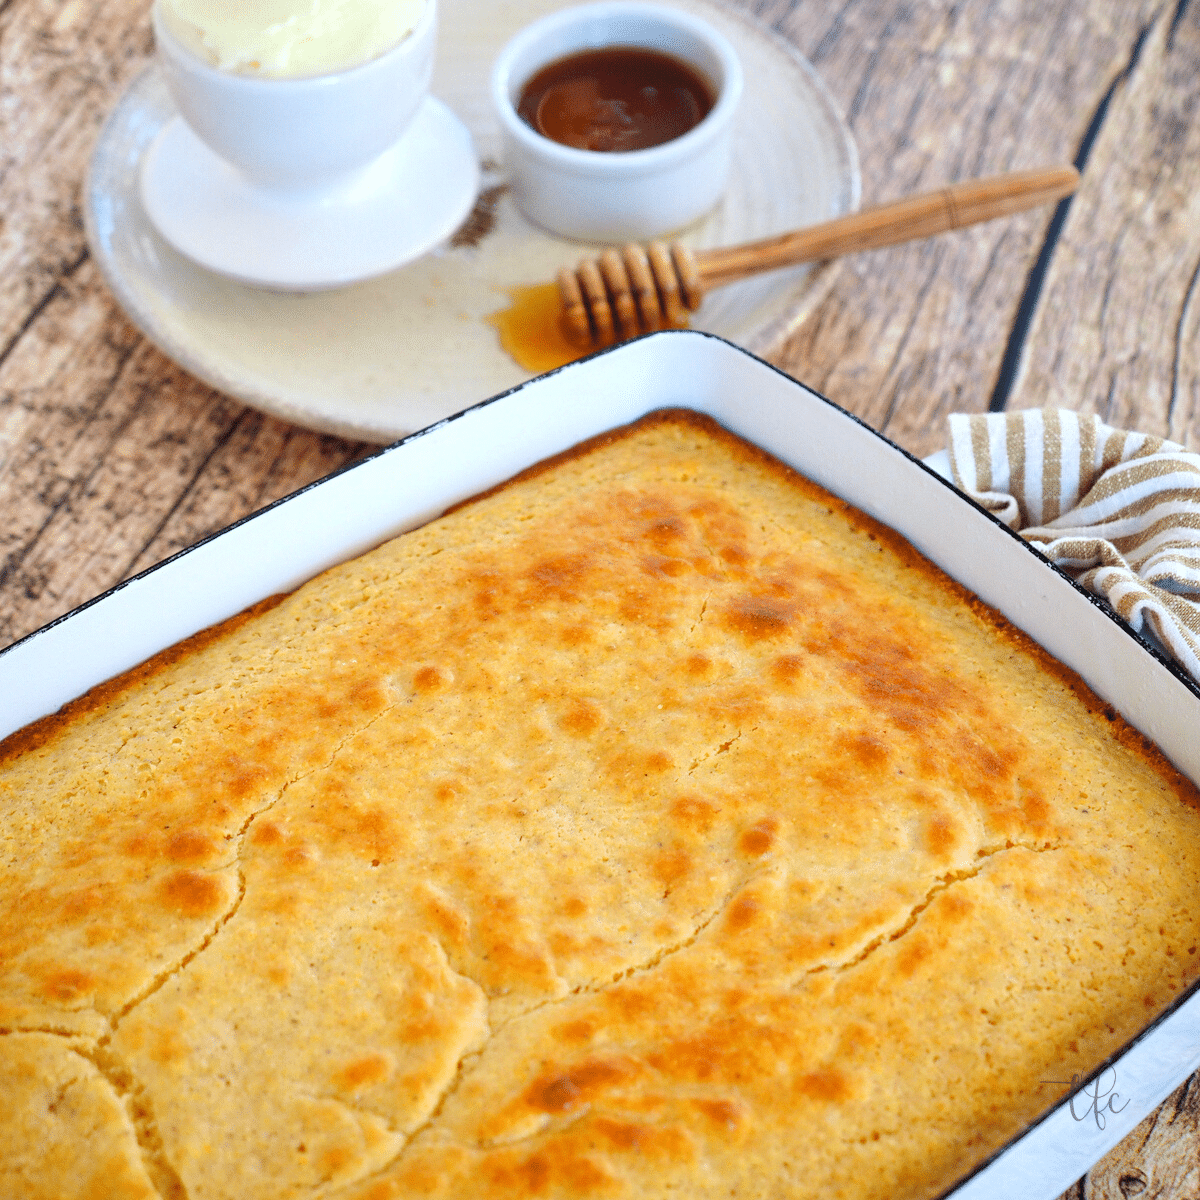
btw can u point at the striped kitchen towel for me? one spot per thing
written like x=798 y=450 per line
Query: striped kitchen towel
x=1120 y=512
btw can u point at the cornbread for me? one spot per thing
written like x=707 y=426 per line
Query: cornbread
x=654 y=825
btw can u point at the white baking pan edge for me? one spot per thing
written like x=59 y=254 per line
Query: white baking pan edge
x=408 y=483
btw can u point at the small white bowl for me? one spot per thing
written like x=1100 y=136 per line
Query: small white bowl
x=615 y=196
x=301 y=132
x=307 y=183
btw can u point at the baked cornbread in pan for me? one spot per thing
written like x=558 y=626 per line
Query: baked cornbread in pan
x=654 y=825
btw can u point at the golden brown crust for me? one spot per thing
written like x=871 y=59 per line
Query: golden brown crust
x=643 y=827
x=38 y=733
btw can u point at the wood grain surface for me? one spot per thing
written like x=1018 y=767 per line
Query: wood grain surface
x=111 y=458
x=1118 y=329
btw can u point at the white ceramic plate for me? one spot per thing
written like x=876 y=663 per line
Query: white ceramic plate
x=211 y=213
x=382 y=358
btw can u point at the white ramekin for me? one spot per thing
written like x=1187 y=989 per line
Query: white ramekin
x=613 y=196
x=307 y=131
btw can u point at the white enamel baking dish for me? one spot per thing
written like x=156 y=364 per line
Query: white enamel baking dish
x=414 y=480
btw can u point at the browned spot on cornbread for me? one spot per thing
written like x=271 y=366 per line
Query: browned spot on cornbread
x=726 y=1113
x=665 y=529
x=566 y=1090
x=759 y=838
x=759 y=617
x=914 y=952
x=671 y=866
x=448 y=920
x=695 y=813
x=334 y=1160
x=743 y=912
x=167 y=1047
x=700 y=1059
x=868 y=751
x=561 y=578
x=583 y=718
x=891 y=677
x=372 y=832
x=643 y=1139
x=191 y=893
x=579 y=634
x=577 y=1031
x=628 y=765
x=661 y=565
x=266 y=833
x=942 y=835
x=190 y=845
x=956 y=906
x=370 y=1069
x=786 y=668
x=557 y=1167
x=431 y=678
x=242 y=776
x=491 y=595
x=67 y=985
x=827 y=1084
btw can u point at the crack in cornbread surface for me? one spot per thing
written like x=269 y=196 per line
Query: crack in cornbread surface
x=656 y=824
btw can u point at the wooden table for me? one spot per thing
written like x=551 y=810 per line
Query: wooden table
x=111 y=458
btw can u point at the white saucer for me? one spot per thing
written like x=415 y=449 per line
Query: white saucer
x=411 y=198
x=379 y=359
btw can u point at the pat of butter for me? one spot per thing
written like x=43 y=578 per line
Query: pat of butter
x=290 y=38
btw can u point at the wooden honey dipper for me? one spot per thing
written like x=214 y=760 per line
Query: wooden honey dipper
x=635 y=289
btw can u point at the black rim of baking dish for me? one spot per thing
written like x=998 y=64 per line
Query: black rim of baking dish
x=1155 y=652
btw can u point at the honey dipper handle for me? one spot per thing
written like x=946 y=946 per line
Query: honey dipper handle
x=890 y=224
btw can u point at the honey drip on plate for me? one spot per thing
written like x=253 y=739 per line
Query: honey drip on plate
x=531 y=331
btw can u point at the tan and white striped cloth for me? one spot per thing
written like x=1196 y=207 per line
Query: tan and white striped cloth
x=1120 y=512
